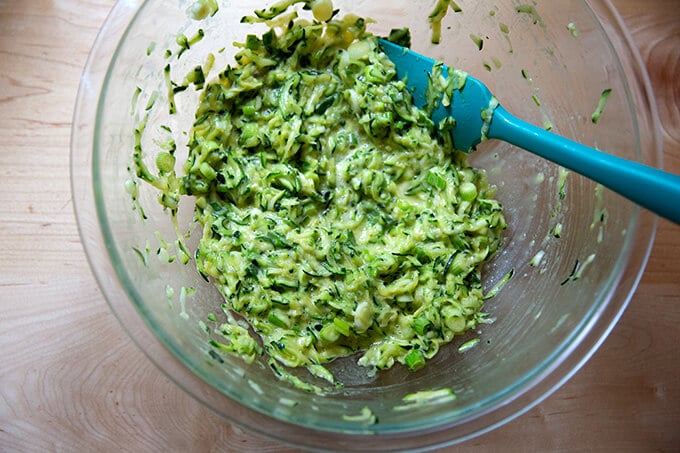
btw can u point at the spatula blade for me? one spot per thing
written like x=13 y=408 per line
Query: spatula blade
x=471 y=107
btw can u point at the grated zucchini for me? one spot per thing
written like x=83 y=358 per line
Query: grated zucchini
x=336 y=218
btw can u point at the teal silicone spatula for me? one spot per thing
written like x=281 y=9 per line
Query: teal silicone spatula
x=649 y=187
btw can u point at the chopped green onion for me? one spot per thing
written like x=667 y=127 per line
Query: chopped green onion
x=342 y=326
x=414 y=360
x=435 y=180
x=421 y=324
x=468 y=191
x=165 y=162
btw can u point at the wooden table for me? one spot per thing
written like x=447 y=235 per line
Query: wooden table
x=70 y=378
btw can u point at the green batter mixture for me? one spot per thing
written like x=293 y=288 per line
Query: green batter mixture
x=336 y=219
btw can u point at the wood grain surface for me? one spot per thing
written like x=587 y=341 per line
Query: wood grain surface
x=70 y=378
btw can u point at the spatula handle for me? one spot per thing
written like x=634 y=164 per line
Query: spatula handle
x=649 y=187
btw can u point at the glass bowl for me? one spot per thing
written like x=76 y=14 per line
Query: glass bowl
x=566 y=292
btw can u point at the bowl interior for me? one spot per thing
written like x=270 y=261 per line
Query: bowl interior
x=543 y=315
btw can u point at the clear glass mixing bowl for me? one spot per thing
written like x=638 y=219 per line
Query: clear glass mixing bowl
x=547 y=322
